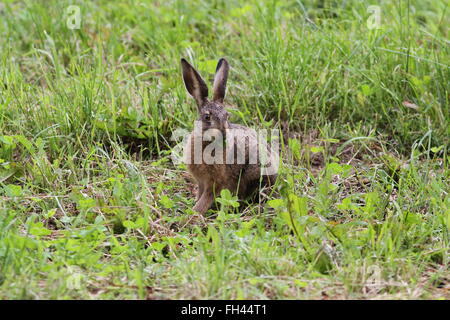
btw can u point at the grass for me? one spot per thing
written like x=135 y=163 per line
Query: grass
x=91 y=206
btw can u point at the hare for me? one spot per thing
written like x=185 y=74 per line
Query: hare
x=231 y=161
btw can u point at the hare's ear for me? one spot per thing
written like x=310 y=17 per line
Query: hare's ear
x=194 y=84
x=220 y=80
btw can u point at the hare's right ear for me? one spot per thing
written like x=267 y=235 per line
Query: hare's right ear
x=194 y=84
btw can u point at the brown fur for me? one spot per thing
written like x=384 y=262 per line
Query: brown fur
x=241 y=179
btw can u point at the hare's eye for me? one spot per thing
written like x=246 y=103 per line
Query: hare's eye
x=207 y=117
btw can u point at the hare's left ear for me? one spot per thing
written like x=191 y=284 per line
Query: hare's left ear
x=220 y=80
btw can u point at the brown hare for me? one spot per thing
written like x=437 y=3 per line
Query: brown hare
x=219 y=154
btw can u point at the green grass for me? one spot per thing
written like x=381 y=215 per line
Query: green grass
x=91 y=206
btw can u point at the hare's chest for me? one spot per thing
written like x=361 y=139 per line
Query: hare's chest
x=208 y=172
x=205 y=160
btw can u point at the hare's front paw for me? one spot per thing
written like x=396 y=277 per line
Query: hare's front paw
x=200 y=207
x=204 y=203
x=200 y=190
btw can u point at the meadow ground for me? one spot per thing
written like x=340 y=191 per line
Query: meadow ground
x=92 y=207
